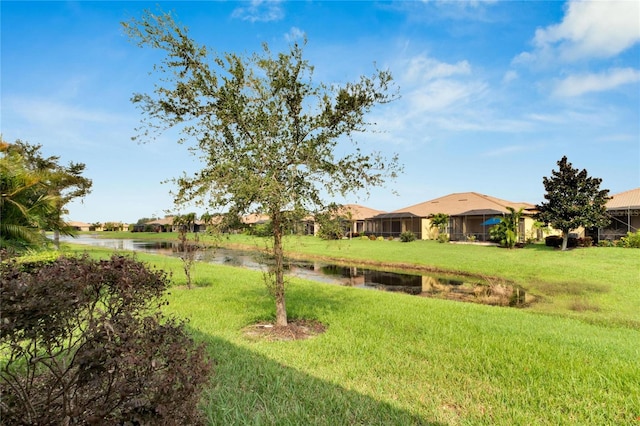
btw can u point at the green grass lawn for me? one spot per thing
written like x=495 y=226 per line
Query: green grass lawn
x=389 y=358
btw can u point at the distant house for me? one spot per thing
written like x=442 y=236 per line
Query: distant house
x=471 y=215
x=255 y=219
x=160 y=225
x=357 y=218
x=166 y=225
x=80 y=226
x=624 y=211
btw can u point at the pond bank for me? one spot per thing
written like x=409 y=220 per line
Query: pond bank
x=412 y=280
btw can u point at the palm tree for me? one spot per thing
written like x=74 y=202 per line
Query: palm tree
x=25 y=203
x=506 y=232
x=440 y=221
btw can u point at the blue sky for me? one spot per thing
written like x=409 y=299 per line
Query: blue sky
x=493 y=93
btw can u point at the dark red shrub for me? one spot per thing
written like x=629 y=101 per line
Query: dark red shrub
x=556 y=241
x=84 y=342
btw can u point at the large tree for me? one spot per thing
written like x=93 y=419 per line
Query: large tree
x=271 y=139
x=573 y=200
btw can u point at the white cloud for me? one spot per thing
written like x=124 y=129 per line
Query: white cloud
x=576 y=85
x=506 y=150
x=546 y=118
x=510 y=76
x=618 y=137
x=590 y=29
x=260 y=10
x=439 y=95
x=38 y=120
x=294 y=34
x=422 y=68
x=475 y=10
x=482 y=121
x=46 y=112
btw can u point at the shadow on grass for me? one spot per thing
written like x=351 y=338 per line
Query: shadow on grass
x=248 y=388
x=572 y=288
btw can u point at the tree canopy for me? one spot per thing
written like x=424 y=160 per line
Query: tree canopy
x=271 y=139
x=35 y=190
x=573 y=200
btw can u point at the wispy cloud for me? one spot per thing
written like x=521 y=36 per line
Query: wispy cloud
x=619 y=137
x=40 y=120
x=510 y=76
x=441 y=95
x=260 y=11
x=48 y=112
x=475 y=10
x=506 y=150
x=576 y=85
x=546 y=118
x=423 y=68
x=590 y=29
x=294 y=34
x=430 y=85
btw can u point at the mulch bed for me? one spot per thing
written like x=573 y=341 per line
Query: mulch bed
x=296 y=329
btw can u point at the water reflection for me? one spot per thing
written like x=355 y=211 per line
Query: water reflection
x=446 y=286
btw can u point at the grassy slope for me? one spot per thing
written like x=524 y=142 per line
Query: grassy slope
x=596 y=284
x=389 y=358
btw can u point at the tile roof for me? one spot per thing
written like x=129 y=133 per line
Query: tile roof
x=359 y=212
x=462 y=203
x=624 y=200
x=167 y=220
x=78 y=224
x=255 y=218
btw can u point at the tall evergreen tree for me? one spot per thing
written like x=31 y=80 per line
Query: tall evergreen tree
x=573 y=199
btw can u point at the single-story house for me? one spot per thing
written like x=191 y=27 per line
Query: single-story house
x=470 y=217
x=624 y=211
x=357 y=218
x=166 y=225
x=255 y=219
x=80 y=226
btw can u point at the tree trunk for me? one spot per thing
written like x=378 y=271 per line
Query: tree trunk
x=56 y=238
x=565 y=240
x=278 y=256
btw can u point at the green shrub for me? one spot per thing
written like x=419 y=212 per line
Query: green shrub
x=261 y=230
x=632 y=240
x=84 y=342
x=443 y=238
x=36 y=260
x=380 y=238
x=407 y=237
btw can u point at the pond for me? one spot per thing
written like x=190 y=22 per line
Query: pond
x=418 y=283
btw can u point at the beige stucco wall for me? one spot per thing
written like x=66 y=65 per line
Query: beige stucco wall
x=428 y=233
